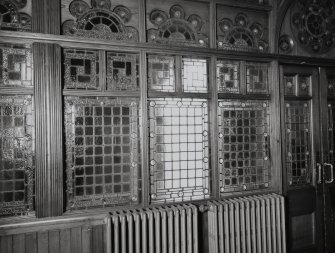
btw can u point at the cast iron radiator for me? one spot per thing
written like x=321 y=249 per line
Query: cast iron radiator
x=253 y=224
x=166 y=229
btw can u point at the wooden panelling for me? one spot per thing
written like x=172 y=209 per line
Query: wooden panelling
x=49 y=161
x=82 y=235
x=45 y=16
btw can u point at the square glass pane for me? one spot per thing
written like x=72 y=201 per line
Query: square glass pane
x=122 y=72
x=17 y=155
x=15 y=65
x=161 y=73
x=102 y=149
x=257 y=78
x=81 y=68
x=178 y=149
x=195 y=75
x=243 y=144
x=228 y=76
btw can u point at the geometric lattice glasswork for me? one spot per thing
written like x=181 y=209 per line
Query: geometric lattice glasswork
x=257 y=77
x=228 y=76
x=298 y=146
x=243 y=145
x=102 y=140
x=161 y=73
x=304 y=85
x=122 y=72
x=15 y=65
x=81 y=69
x=194 y=75
x=179 y=155
x=17 y=155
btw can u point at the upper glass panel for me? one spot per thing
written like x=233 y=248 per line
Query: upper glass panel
x=81 y=69
x=195 y=75
x=15 y=15
x=183 y=23
x=122 y=72
x=242 y=30
x=101 y=19
x=298 y=85
x=257 y=78
x=16 y=65
x=228 y=76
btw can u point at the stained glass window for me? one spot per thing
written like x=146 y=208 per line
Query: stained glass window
x=102 y=142
x=257 y=77
x=179 y=156
x=122 y=71
x=17 y=155
x=331 y=87
x=331 y=132
x=161 y=73
x=304 y=84
x=81 y=69
x=243 y=143
x=15 y=65
x=195 y=76
x=228 y=76
x=298 y=146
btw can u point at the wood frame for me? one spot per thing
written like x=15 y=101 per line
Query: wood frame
x=45 y=37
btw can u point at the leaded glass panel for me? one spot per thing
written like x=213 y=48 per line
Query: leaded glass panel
x=290 y=83
x=81 y=69
x=122 y=72
x=102 y=146
x=161 y=73
x=179 y=156
x=331 y=132
x=228 y=76
x=257 y=77
x=331 y=87
x=15 y=65
x=17 y=155
x=195 y=75
x=298 y=144
x=243 y=145
x=304 y=85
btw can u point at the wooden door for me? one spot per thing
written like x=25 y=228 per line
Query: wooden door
x=327 y=105
x=302 y=156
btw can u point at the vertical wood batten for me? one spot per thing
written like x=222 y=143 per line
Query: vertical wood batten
x=46 y=16
x=49 y=161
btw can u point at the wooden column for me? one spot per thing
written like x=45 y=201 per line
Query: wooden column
x=48 y=109
x=49 y=156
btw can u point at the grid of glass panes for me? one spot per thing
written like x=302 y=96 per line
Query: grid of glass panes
x=81 y=69
x=179 y=156
x=15 y=65
x=194 y=75
x=243 y=145
x=257 y=77
x=17 y=155
x=122 y=72
x=102 y=151
x=161 y=73
x=228 y=76
x=298 y=159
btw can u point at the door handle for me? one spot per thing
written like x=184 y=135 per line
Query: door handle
x=319 y=166
x=331 y=173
